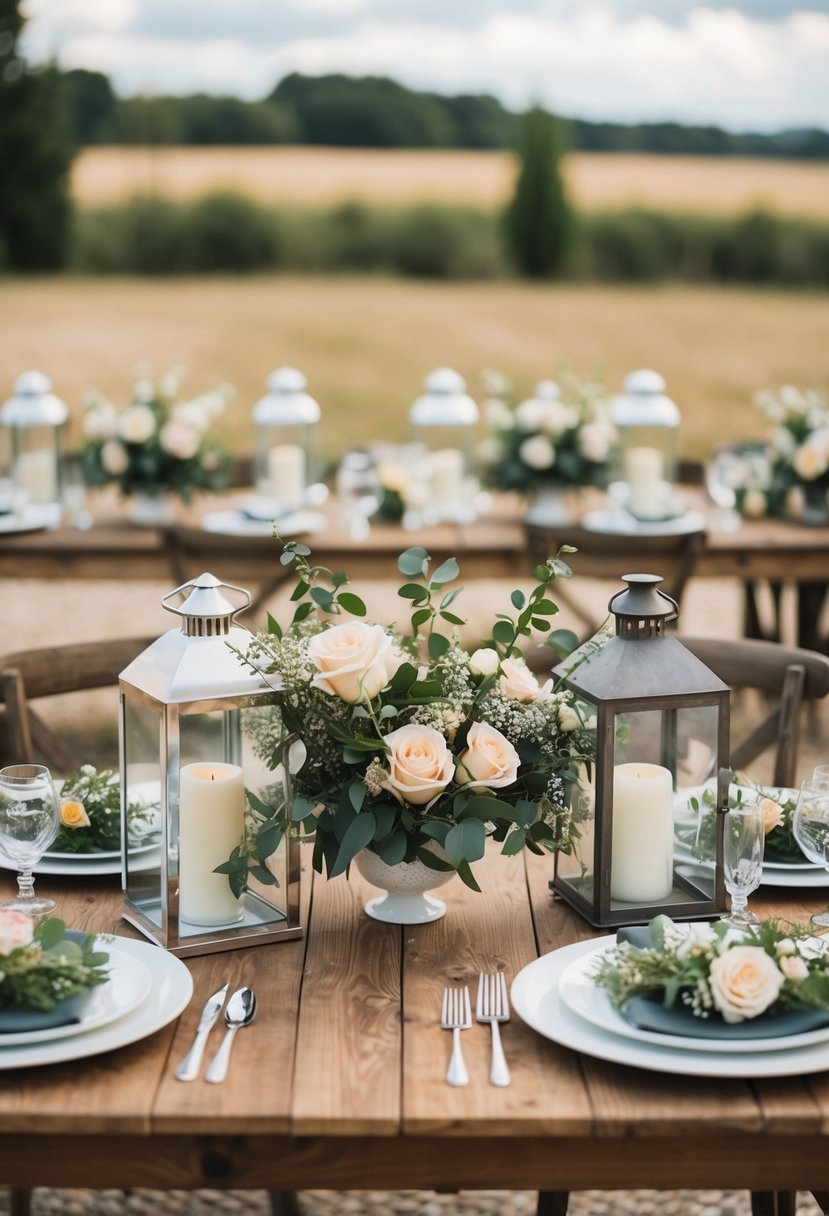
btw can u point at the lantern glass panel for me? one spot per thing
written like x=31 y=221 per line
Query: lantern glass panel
x=141 y=766
x=285 y=461
x=36 y=463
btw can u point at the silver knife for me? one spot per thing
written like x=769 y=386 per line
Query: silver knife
x=189 y=1067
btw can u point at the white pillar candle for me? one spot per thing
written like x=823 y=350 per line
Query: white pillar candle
x=211 y=825
x=642 y=859
x=647 y=488
x=286 y=474
x=446 y=476
x=35 y=473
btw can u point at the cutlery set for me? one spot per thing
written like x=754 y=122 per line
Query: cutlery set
x=492 y=1005
x=241 y=1010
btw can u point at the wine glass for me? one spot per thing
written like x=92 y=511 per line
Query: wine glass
x=820 y=777
x=810 y=825
x=721 y=478
x=743 y=843
x=358 y=490
x=29 y=822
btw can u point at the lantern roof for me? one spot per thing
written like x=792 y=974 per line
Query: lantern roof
x=33 y=403
x=644 y=402
x=630 y=669
x=445 y=402
x=286 y=402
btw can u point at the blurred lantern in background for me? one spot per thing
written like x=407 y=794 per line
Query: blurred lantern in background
x=286 y=422
x=33 y=420
x=443 y=420
x=648 y=425
x=189 y=704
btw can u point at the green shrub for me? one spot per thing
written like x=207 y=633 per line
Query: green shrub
x=446 y=243
x=229 y=232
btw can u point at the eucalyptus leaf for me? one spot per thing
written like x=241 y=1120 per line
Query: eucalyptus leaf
x=438 y=646
x=466 y=840
x=393 y=850
x=413 y=561
x=359 y=833
x=445 y=573
x=351 y=603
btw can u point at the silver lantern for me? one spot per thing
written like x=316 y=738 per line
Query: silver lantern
x=191 y=711
x=443 y=421
x=648 y=841
x=648 y=424
x=34 y=419
x=286 y=421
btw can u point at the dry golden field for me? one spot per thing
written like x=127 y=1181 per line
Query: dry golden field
x=321 y=176
x=366 y=344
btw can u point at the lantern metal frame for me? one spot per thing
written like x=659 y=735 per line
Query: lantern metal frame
x=146 y=682
x=35 y=409
x=644 y=668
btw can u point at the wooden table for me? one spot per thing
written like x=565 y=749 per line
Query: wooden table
x=339 y=1083
x=494 y=547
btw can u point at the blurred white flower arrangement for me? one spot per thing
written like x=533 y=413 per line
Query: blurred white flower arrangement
x=156 y=443
x=562 y=435
x=790 y=475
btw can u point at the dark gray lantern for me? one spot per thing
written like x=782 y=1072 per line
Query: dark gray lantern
x=661 y=721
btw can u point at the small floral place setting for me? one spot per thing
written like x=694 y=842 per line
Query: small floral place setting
x=784 y=864
x=689 y=999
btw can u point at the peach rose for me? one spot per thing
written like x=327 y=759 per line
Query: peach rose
x=744 y=982
x=16 y=929
x=137 y=424
x=73 y=814
x=519 y=684
x=355 y=660
x=420 y=764
x=772 y=813
x=489 y=759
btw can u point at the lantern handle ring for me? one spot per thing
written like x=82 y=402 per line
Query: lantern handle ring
x=188 y=586
x=662 y=595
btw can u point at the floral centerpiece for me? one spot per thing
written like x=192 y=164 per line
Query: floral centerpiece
x=562 y=435
x=40 y=966
x=790 y=477
x=90 y=814
x=158 y=443
x=711 y=970
x=413 y=747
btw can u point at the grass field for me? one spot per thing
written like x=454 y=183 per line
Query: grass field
x=366 y=344
x=323 y=176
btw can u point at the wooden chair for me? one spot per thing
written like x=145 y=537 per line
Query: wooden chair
x=788 y=676
x=609 y=555
x=27 y=675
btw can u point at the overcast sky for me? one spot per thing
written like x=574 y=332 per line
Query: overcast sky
x=744 y=64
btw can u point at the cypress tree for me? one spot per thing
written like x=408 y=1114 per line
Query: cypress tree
x=538 y=219
x=35 y=154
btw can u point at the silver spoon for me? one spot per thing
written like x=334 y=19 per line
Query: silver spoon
x=241 y=1010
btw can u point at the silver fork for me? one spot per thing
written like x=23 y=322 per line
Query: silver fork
x=456 y=1015
x=492 y=1006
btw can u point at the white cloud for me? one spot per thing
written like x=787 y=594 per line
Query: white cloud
x=726 y=63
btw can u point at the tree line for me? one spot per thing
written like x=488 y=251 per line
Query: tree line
x=375 y=112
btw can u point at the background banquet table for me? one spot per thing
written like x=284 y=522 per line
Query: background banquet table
x=339 y=1083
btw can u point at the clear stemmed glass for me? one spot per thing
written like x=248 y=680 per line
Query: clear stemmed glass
x=820 y=777
x=29 y=822
x=743 y=842
x=721 y=476
x=810 y=824
x=358 y=490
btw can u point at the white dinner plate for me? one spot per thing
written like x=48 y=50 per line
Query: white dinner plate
x=171 y=988
x=33 y=519
x=590 y=1002
x=89 y=865
x=128 y=985
x=236 y=523
x=537 y=1002
x=619 y=523
x=98 y=854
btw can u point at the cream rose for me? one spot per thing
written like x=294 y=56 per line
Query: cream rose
x=754 y=504
x=489 y=759
x=794 y=967
x=772 y=813
x=179 y=439
x=484 y=662
x=568 y=719
x=114 y=458
x=519 y=684
x=420 y=764
x=16 y=929
x=73 y=814
x=745 y=981
x=809 y=462
x=537 y=452
x=137 y=424
x=354 y=660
